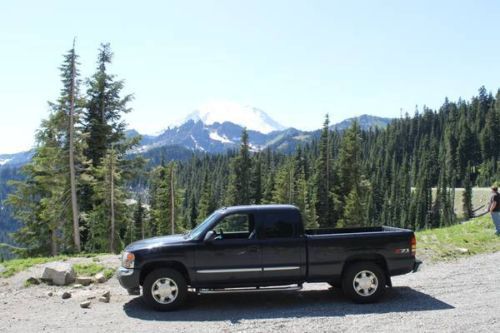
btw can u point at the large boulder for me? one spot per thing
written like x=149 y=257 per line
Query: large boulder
x=60 y=273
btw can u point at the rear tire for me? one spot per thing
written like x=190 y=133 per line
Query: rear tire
x=164 y=289
x=364 y=282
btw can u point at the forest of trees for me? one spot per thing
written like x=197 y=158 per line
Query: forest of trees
x=84 y=191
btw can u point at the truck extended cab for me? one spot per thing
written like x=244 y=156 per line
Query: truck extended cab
x=265 y=247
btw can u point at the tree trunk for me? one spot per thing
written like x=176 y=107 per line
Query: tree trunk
x=172 y=200
x=112 y=200
x=74 y=202
x=53 y=243
x=142 y=228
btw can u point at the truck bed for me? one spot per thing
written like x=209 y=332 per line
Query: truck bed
x=329 y=249
x=327 y=231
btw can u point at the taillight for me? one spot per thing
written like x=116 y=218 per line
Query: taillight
x=413 y=245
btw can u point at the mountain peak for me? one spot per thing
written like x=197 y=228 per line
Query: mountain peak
x=242 y=115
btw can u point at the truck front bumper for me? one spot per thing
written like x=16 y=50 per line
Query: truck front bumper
x=129 y=279
x=416 y=265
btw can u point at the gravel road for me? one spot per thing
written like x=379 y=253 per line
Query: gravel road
x=459 y=296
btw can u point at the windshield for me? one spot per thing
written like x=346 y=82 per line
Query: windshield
x=195 y=233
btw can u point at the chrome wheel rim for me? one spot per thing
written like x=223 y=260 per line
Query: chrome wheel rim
x=365 y=283
x=164 y=290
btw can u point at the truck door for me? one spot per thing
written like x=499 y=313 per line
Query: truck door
x=283 y=246
x=234 y=257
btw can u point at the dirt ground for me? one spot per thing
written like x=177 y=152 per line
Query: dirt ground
x=456 y=296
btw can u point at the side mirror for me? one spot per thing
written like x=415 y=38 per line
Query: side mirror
x=210 y=236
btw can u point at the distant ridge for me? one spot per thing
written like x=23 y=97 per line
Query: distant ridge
x=201 y=131
x=365 y=122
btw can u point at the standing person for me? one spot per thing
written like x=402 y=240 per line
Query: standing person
x=494 y=207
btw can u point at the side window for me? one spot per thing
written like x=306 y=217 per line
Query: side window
x=234 y=223
x=278 y=225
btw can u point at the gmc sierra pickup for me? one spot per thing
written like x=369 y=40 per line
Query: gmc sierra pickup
x=261 y=248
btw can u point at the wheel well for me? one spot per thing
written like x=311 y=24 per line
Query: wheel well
x=375 y=258
x=149 y=267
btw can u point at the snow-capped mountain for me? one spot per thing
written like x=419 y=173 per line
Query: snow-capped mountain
x=213 y=138
x=242 y=115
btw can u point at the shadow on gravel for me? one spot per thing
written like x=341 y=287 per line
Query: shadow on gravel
x=307 y=303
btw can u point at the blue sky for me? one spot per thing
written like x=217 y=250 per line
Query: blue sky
x=296 y=60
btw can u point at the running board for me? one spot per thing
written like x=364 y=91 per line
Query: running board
x=247 y=290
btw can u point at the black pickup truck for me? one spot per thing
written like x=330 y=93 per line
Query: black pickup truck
x=261 y=248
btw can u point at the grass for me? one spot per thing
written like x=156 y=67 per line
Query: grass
x=461 y=240
x=14 y=266
x=17 y=265
x=92 y=269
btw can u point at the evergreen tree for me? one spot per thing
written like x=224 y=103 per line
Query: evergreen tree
x=193 y=213
x=353 y=184
x=324 y=177
x=54 y=175
x=137 y=228
x=207 y=204
x=111 y=214
x=467 y=196
x=104 y=109
x=239 y=180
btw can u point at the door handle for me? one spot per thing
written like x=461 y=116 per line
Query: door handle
x=251 y=249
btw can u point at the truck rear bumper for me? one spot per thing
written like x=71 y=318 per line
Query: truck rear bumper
x=416 y=265
x=129 y=278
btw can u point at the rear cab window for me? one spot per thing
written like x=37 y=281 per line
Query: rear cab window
x=279 y=224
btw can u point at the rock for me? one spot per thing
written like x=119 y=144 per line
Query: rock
x=2 y=268
x=99 y=277
x=83 y=280
x=104 y=299
x=85 y=304
x=60 y=273
x=77 y=285
x=66 y=295
x=462 y=250
x=32 y=280
x=50 y=294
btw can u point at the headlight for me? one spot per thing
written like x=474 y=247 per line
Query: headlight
x=128 y=260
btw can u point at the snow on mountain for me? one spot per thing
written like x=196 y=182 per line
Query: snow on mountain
x=215 y=136
x=225 y=111
x=5 y=161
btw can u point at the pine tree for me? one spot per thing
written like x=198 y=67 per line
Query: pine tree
x=137 y=228
x=239 y=190
x=256 y=182
x=111 y=214
x=467 y=196
x=193 y=213
x=323 y=179
x=104 y=109
x=207 y=204
x=54 y=175
x=166 y=200
x=351 y=178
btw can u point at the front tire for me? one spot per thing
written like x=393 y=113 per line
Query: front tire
x=164 y=289
x=364 y=282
